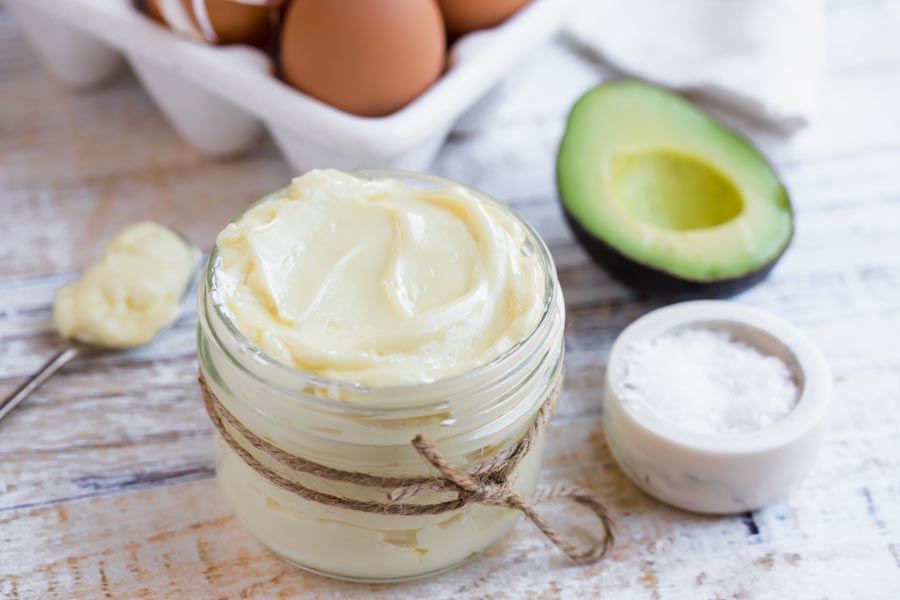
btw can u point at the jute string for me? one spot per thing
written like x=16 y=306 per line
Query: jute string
x=485 y=482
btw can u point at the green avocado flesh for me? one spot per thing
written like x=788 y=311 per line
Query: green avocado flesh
x=658 y=192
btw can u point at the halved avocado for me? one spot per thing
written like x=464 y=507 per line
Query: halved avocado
x=666 y=198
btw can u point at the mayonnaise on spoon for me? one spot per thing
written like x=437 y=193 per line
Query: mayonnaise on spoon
x=132 y=293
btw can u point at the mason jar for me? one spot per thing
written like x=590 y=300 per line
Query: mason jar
x=353 y=428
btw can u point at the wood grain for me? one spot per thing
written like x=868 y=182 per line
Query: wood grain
x=106 y=487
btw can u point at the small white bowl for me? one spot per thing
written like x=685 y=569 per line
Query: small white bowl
x=720 y=473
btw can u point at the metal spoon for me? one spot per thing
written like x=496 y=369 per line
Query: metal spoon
x=72 y=350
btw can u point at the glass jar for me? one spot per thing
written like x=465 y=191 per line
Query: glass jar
x=346 y=426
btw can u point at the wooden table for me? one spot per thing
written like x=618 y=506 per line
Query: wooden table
x=106 y=481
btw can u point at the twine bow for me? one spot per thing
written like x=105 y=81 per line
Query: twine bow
x=485 y=482
x=499 y=493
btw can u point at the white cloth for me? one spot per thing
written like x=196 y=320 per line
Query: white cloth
x=761 y=58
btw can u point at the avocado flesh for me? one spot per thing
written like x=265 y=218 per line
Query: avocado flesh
x=664 y=196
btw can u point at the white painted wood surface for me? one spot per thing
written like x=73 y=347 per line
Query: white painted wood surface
x=106 y=485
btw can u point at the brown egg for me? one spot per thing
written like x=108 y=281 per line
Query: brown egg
x=366 y=57
x=463 y=16
x=218 y=21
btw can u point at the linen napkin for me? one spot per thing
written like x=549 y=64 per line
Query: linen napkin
x=763 y=59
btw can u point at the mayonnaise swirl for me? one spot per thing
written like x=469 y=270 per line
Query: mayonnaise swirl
x=379 y=282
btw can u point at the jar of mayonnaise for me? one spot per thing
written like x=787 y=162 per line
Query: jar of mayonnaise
x=353 y=399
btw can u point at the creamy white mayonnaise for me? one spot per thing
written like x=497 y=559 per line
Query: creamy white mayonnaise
x=377 y=281
x=360 y=545
x=134 y=290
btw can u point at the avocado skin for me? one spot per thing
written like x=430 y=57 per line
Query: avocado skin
x=645 y=278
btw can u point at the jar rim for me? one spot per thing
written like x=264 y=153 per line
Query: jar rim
x=302 y=378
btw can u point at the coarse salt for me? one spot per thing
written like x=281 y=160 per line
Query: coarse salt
x=706 y=381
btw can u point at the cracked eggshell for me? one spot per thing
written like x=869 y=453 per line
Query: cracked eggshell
x=251 y=22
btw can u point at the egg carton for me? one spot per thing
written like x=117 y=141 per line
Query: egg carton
x=221 y=98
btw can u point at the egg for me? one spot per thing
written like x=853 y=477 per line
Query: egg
x=249 y=22
x=366 y=57
x=463 y=16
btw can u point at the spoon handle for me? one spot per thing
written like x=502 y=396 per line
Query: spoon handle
x=54 y=364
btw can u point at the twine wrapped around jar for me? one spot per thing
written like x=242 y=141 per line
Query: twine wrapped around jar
x=485 y=482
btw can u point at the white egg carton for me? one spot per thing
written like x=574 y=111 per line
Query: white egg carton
x=220 y=99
